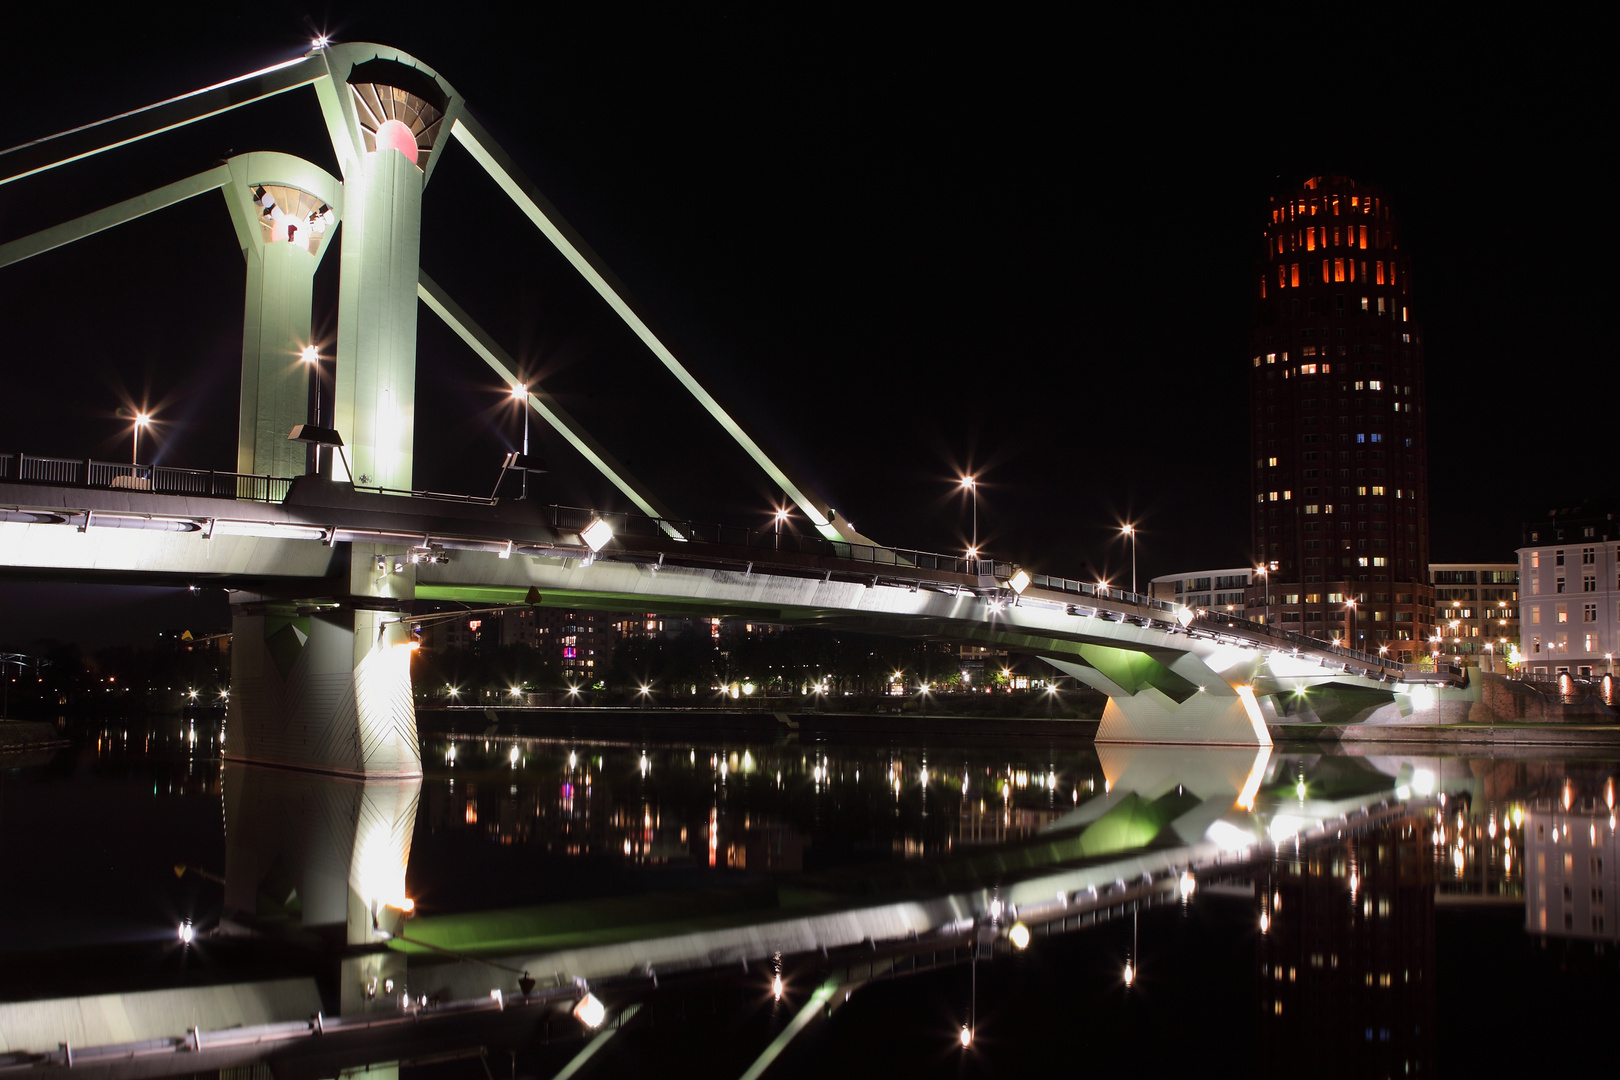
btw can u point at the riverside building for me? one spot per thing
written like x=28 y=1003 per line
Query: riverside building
x=1339 y=462
x=1569 y=575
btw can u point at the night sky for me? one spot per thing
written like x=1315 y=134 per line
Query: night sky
x=899 y=248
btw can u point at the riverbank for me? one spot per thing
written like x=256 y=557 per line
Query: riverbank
x=674 y=724
x=20 y=735
x=1459 y=735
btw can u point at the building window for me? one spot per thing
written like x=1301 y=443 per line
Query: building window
x=1535 y=614
x=1558 y=583
x=1588 y=555
x=1588 y=583
x=1558 y=558
x=1563 y=613
x=1589 y=613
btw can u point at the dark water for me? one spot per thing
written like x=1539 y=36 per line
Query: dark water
x=1411 y=945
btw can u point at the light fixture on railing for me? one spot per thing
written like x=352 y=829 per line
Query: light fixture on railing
x=596 y=535
x=1019 y=581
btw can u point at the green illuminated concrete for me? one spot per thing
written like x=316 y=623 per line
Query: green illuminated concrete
x=276 y=314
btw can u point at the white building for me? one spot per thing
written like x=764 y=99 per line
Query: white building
x=1212 y=589
x=1569 y=588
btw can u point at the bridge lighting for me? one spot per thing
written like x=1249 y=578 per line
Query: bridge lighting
x=645 y=690
x=590 y=1011
x=1130 y=973
x=320 y=41
x=516 y=692
x=966 y=1036
x=1019 y=581
x=513 y=756
x=1019 y=936
x=188 y=933
x=596 y=535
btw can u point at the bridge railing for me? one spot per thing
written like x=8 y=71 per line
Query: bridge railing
x=162 y=479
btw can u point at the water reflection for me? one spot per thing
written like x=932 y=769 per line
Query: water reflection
x=648 y=868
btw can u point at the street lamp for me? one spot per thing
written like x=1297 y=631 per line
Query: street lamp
x=971 y=485
x=520 y=394
x=1265 y=577
x=1129 y=531
x=781 y=516
x=1350 y=606
x=141 y=420
x=312 y=356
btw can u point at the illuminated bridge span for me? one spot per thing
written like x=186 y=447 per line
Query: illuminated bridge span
x=324 y=567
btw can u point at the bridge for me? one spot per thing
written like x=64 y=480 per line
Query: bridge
x=324 y=565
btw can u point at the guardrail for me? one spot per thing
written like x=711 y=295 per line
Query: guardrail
x=159 y=479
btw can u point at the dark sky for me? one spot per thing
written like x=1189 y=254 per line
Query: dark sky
x=897 y=248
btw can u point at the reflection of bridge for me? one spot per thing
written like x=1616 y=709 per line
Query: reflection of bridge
x=322 y=570
x=312 y=858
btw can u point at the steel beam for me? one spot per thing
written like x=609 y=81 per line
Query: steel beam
x=545 y=217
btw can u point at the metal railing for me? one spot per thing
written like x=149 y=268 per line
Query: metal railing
x=159 y=479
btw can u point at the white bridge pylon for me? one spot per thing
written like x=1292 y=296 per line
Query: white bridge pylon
x=389 y=117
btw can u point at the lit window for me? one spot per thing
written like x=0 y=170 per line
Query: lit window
x=1379 y=267
x=1361 y=489
x=1294 y=274
x=1360 y=385
x=1364 y=239
x=1563 y=613
x=1311 y=508
x=1288 y=495
x=1271 y=358
x=1338 y=269
x=1271 y=462
x=1379 y=560
x=1362 y=561
x=1307 y=369
x=1378 y=489
x=1375 y=384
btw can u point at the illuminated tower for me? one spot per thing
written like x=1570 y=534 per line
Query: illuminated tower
x=1339 y=495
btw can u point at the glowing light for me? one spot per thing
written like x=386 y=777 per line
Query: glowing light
x=516 y=692
x=590 y=1011
x=394 y=135
x=520 y=392
x=966 y=1037
x=142 y=419
x=1019 y=582
x=514 y=755
x=1019 y=936
x=1422 y=781
x=596 y=535
x=776 y=987
x=1265 y=922
x=310 y=354
x=188 y=933
x=1130 y=973
x=1188 y=884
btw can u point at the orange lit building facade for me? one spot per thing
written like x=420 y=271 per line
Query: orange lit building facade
x=1339 y=461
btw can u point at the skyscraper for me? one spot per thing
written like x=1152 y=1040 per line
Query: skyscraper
x=1339 y=495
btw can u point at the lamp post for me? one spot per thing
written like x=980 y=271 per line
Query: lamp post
x=1130 y=533
x=1265 y=577
x=141 y=420
x=1350 y=606
x=520 y=394
x=781 y=515
x=312 y=357
x=972 y=487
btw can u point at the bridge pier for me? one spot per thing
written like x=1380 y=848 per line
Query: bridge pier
x=325 y=684
x=1179 y=701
